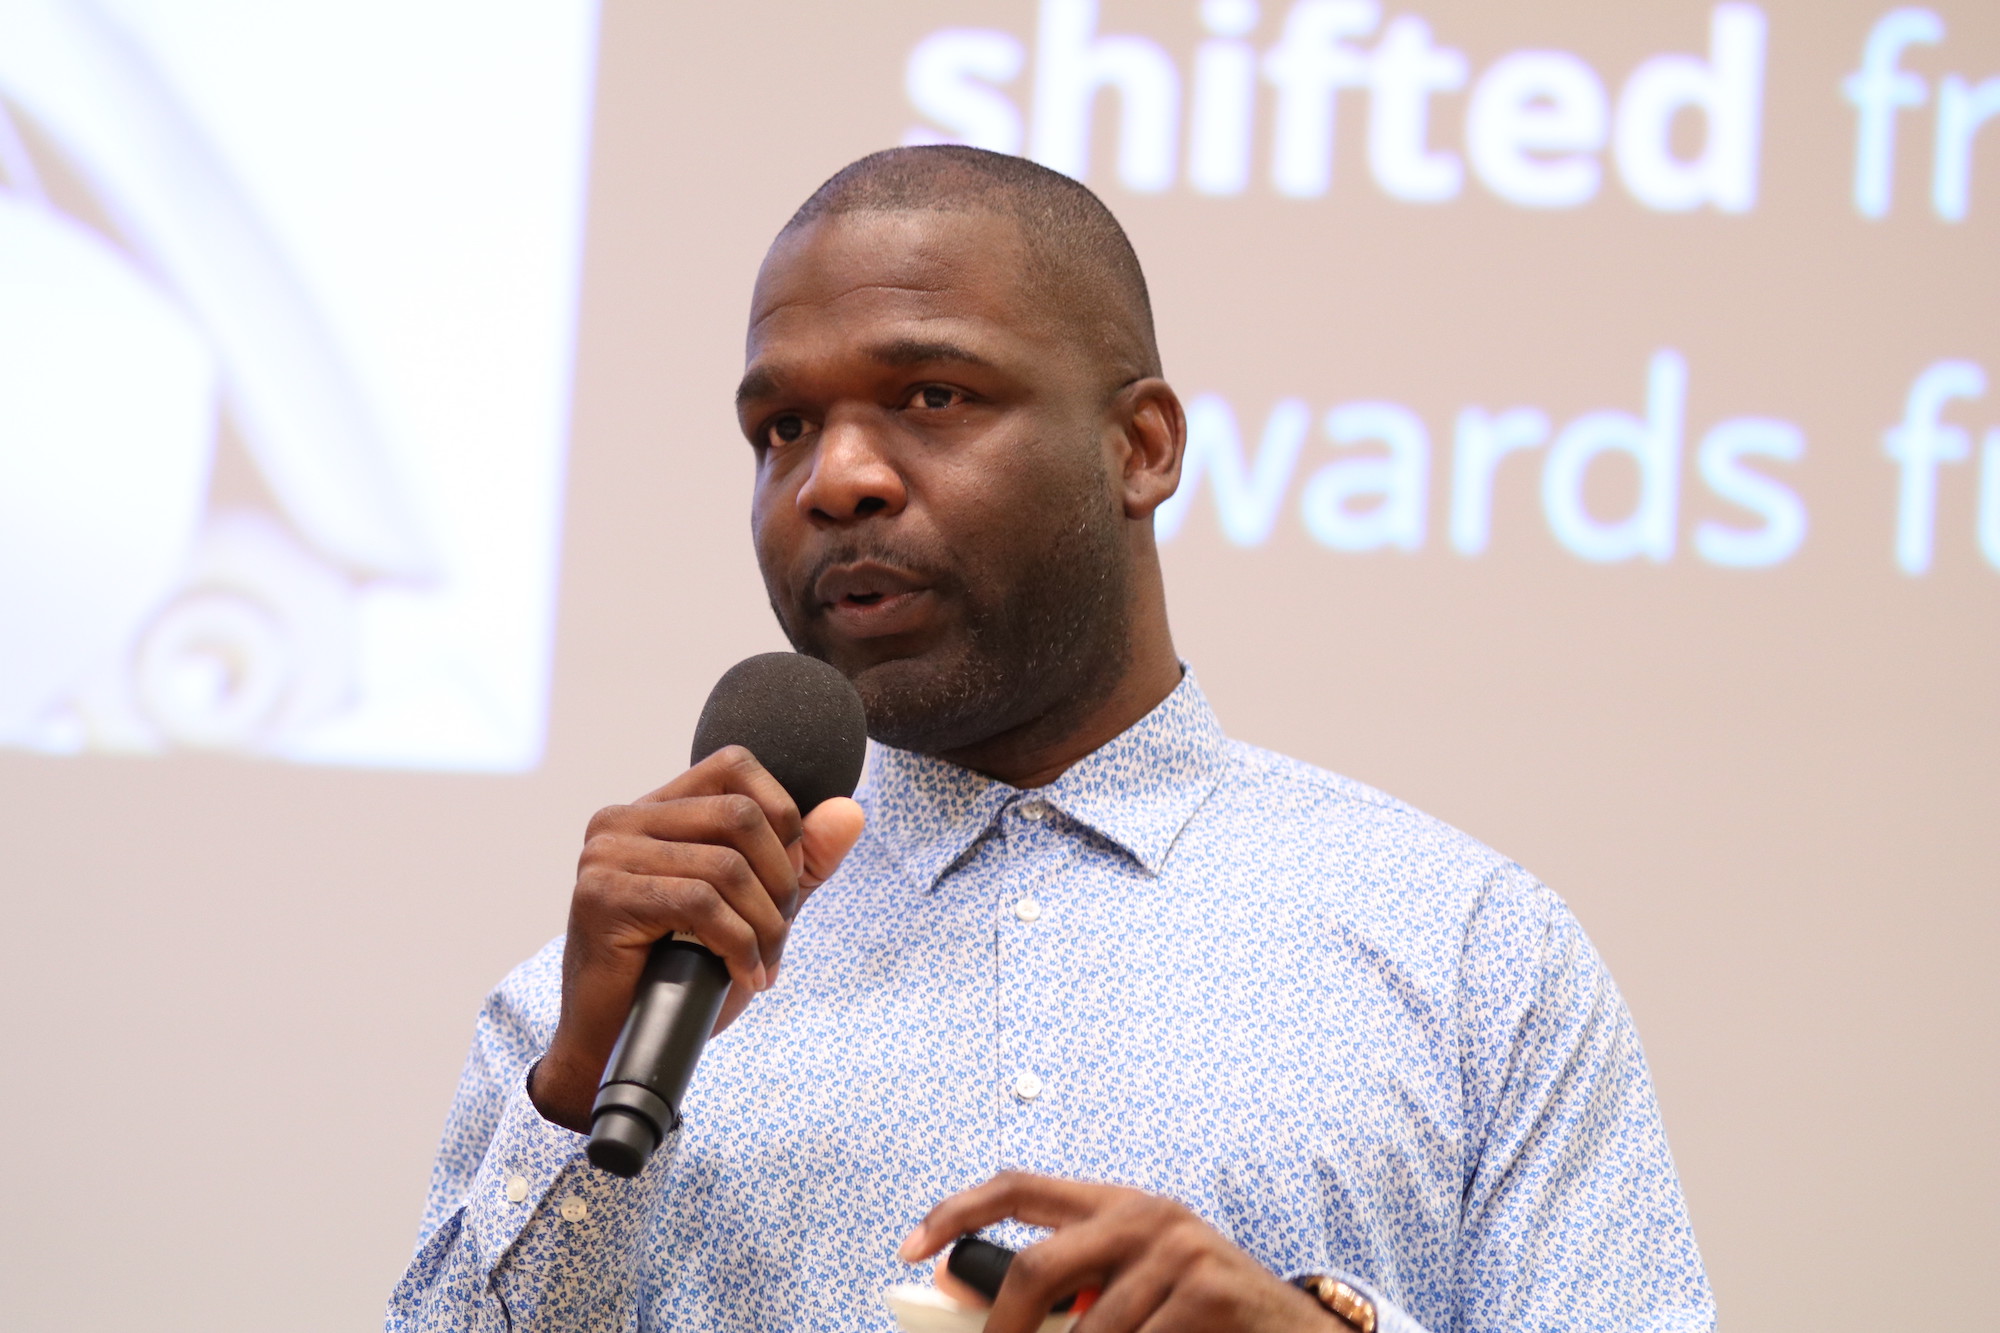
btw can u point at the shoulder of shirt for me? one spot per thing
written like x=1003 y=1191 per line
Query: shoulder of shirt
x=1255 y=766
x=1255 y=763
x=1458 y=860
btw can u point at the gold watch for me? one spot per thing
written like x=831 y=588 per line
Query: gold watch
x=1342 y=1301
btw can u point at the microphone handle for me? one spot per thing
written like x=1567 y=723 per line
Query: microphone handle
x=673 y=1011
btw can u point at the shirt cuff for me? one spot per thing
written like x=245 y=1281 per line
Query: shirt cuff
x=1389 y=1317
x=535 y=1172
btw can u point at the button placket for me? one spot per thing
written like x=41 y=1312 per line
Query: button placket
x=1037 y=853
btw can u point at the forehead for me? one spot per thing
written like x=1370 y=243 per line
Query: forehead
x=845 y=278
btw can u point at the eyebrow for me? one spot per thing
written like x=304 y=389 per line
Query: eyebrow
x=917 y=351
x=764 y=382
x=759 y=383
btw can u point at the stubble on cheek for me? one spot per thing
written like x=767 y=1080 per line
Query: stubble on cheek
x=1047 y=638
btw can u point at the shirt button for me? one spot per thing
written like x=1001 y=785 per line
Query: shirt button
x=1037 y=810
x=574 y=1209
x=1028 y=910
x=1027 y=1087
x=517 y=1188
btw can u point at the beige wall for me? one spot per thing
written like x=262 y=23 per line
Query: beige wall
x=239 y=991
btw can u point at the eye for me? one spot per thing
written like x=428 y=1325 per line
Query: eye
x=787 y=429
x=936 y=397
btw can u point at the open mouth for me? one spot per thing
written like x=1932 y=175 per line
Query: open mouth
x=869 y=598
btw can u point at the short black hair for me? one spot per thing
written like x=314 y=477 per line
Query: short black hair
x=1081 y=257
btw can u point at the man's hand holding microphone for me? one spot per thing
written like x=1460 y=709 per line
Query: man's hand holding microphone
x=684 y=898
x=720 y=853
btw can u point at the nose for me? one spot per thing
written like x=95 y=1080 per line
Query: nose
x=852 y=475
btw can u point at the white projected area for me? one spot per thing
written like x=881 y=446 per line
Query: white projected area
x=285 y=345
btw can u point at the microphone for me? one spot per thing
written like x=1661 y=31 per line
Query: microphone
x=804 y=722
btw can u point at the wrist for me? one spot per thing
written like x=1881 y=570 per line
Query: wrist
x=552 y=1091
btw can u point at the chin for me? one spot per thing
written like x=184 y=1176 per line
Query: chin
x=933 y=703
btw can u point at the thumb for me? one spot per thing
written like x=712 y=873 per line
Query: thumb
x=831 y=831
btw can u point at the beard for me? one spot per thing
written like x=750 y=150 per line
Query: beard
x=1043 y=650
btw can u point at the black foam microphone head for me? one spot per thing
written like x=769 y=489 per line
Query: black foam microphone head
x=799 y=716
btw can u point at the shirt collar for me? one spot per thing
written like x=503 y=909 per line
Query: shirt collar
x=1138 y=790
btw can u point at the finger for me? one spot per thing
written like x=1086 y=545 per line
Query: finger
x=1132 y=1297
x=1038 y=1200
x=735 y=1002
x=615 y=919
x=1195 y=1302
x=734 y=820
x=757 y=902
x=1084 y=1254
x=696 y=908
x=734 y=770
x=831 y=831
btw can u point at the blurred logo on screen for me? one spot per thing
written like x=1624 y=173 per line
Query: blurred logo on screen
x=234 y=514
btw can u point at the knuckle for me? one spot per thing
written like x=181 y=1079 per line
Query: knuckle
x=610 y=817
x=736 y=940
x=725 y=867
x=599 y=848
x=1137 y=1213
x=1180 y=1244
x=735 y=758
x=738 y=814
x=1031 y=1267
x=596 y=888
x=698 y=904
x=1205 y=1298
x=675 y=904
x=790 y=823
x=1004 y=1189
x=689 y=900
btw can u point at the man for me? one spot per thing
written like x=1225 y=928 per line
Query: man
x=1219 y=1020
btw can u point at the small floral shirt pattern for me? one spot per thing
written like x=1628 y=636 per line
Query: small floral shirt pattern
x=1348 y=1036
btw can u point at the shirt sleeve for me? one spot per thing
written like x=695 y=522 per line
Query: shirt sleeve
x=520 y=1232
x=1573 y=1215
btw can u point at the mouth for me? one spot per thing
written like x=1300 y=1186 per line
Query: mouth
x=868 y=600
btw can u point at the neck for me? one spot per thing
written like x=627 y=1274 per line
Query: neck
x=1042 y=749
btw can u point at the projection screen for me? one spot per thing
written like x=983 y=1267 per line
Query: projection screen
x=1594 y=439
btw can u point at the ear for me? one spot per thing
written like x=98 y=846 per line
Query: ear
x=1152 y=439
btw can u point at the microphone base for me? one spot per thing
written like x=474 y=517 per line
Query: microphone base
x=628 y=1123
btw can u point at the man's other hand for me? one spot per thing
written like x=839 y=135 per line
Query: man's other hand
x=1155 y=1264
x=719 y=853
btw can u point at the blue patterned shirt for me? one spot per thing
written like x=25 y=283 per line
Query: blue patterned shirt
x=1349 y=1037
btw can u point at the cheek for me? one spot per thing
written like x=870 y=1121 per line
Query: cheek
x=981 y=526
x=1010 y=512
x=771 y=526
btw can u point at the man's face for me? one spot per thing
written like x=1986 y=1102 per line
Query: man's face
x=934 y=511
